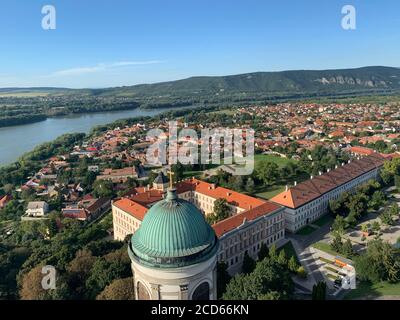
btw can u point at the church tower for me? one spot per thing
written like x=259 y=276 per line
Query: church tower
x=174 y=253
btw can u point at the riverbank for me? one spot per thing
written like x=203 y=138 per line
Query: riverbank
x=17 y=140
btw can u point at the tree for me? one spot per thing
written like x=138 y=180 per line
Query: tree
x=248 y=264
x=366 y=227
x=351 y=220
x=376 y=227
x=377 y=200
x=78 y=270
x=103 y=188
x=394 y=209
x=389 y=170
x=335 y=207
x=282 y=260
x=263 y=252
x=32 y=289
x=387 y=218
x=221 y=210
x=319 y=291
x=223 y=278
x=273 y=254
x=347 y=249
x=115 y=265
x=339 y=225
x=337 y=243
x=237 y=183
x=267 y=172
x=31 y=285
x=357 y=205
x=119 y=289
x=269 y=280
x=249 y=185
x=301 y=272
x=379 y=263
x=293 y=265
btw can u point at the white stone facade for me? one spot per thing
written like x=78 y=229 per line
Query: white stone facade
x=295 y=219
x=175 y=283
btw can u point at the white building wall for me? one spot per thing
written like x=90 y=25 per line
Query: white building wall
x=269 y=229
x=176 y=283
x=296 y=219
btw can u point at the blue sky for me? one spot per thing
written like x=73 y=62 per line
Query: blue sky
x=101 y=43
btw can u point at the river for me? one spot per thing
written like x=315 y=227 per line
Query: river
x=17 y=140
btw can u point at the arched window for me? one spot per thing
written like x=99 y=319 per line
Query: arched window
x=142 y=293
x=202 y=292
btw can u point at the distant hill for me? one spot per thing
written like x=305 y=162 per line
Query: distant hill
x=368 y=79
x=256 y=86
x=26 y=105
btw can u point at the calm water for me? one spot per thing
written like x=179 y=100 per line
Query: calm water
x=15 y=141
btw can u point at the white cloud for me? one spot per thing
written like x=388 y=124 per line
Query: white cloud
x=102 y=67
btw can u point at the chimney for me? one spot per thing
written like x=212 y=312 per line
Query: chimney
x=295 y=183
x=287 y=188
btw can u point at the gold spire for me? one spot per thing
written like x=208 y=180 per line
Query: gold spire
x=171 y=180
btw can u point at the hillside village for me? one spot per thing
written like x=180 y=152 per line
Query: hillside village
x=296 y=144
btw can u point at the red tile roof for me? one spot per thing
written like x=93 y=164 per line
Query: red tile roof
x=362 y=150
x=131 y=207
x=312 y=189
x=147 y=197
x=234 y=198
x=237 y=220
x=4 y=200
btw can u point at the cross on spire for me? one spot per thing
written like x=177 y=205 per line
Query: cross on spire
x=171 y=180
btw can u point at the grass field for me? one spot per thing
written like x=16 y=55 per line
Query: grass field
x=280 y=161
x=366 y=290
x=271 y=192
x=324 y=247
x=190 y=174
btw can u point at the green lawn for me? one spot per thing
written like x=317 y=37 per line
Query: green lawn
x=289 y=250
x=306 y=230
x=323 y=220
x=271 y=192
x=326 y=260
x=324 y=247
x=332 y=276
x=280 y=161
x=190 y=174
x=331 y=269
x=365 y=290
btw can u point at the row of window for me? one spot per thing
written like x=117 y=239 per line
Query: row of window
x=238 y=258
x=318 y=209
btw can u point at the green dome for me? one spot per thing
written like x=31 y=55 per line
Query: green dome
x=173 y=233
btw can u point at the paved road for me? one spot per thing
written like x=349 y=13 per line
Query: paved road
x=308 y=257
